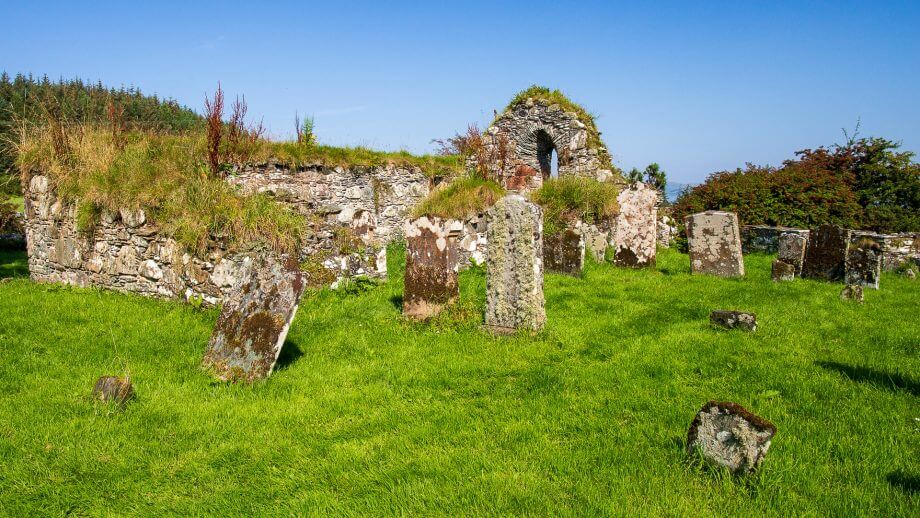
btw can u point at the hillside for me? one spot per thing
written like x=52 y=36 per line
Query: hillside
x=30 y=100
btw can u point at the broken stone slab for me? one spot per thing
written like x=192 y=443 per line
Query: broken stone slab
x=852 y=292
x=432 y=261
x=791 y=249
x=910 y=274
x=564 y=252
x=714 y=244
x=734 y=319
x=825 y=256
x=863 y=265
x=636 y=235
x=782 y=271
x=255 y=319
x=113 y=389
x=595 y=240
x=514 y=268
x=728 y=435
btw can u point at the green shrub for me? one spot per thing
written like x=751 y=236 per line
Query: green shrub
x=571 y=198
x=460 y=199
x=864 y=184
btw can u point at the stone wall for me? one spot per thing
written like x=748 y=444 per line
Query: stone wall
x=763 y=238
x=899 y=249
x=340 y=195
x=124 y=252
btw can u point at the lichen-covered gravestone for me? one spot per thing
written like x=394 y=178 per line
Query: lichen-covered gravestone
x=730 y=319
x=564 y=252
x=791 y=250
x=635 y=237
x=431 y=266
x=715 y=243
x=255 y=319
x=728 y=435
x=863 y=264
x=514 y=268
x=825 y=256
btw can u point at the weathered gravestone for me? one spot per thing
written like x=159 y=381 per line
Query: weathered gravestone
x=113 y=389
x=564 y=252
x=715 y=243
x=733 y=319
x=791 y=250
x=782 y=271
x=826 y=253
x=728 y=435
x=595 y=239
x=255 y=319
x=430 y=282
x=635 y=238
x=863 y=264
x=514 y=268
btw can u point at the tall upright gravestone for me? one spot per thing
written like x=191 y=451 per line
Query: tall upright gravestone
x=863 y=264
x=255 y=319
x=636 y=235
x=825 y=256
x=432 y=252
x=564 y=252
x=514 y=269
x=715 y=243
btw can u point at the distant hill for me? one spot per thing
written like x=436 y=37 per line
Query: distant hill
x=24 y=98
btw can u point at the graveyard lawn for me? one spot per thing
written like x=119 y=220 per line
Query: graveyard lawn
x=370 y=414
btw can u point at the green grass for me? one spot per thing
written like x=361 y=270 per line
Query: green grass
x=570 y=198
x=18 y=202
x=462 y=198
x=371 y=415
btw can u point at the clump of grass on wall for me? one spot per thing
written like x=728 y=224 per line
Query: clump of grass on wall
x=571 y=198
x=166 y=175
x=462 y=198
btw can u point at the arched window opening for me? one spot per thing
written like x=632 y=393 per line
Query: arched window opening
x=546 y=155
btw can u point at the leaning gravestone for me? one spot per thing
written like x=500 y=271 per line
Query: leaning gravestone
x=255 y=319
x=791 y=250
x=514 y=268
x=863 y=265
x=715 y=243
x=430 y=282
x=564 y=252
x=727 y=435
x=635 y=238
x=825 y=256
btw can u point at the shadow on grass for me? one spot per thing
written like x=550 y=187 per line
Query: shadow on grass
x=397 y=301
x=878 y=378
x=13 y=263
x=290 y=352
x=904 y=481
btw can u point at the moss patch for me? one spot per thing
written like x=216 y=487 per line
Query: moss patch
x=571 y=198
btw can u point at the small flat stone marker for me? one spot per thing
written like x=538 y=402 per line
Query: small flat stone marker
x=430 y=283
x=782 y=271
x=714 y=243
x=728 y=435
x=733 y=319
x=117 y=389
x=255 y=319
x=852 y=292
x=635 y=239
x=514 y=268
x=564 y=252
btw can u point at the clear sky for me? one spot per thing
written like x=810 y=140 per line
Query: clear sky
x=695 y=86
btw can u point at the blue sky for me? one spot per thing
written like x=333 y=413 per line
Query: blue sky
x=697 y=87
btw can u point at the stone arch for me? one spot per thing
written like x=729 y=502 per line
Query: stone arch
x=531 y=128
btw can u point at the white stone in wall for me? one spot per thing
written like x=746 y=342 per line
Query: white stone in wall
x=151 y=270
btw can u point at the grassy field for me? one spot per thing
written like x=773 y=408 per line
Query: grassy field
x=368 y=414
